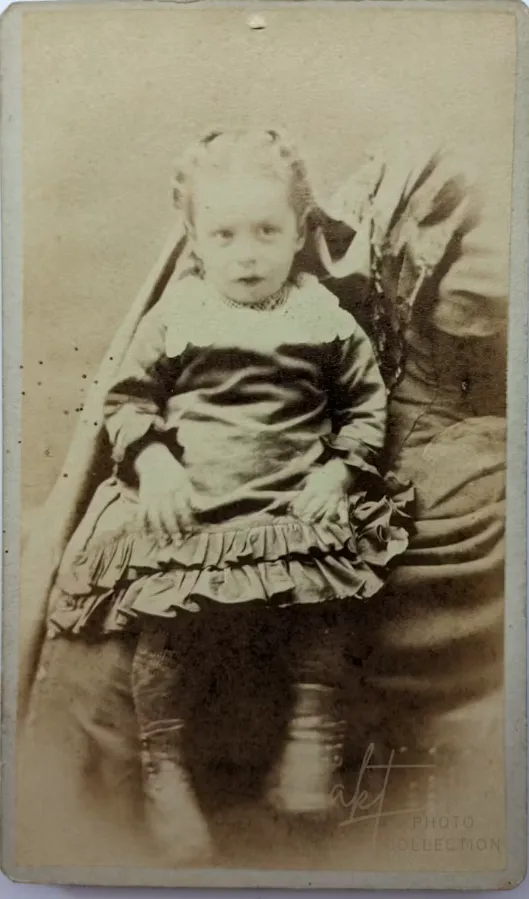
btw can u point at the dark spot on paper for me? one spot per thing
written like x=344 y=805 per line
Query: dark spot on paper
x=84 y=377
x=65 y=475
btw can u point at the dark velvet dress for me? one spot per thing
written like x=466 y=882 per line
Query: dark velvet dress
x=250 y=402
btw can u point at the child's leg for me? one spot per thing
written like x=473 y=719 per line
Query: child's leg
x=304 y=779
x=162 y=684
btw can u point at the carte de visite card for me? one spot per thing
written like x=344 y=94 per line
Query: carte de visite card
x=264 y=516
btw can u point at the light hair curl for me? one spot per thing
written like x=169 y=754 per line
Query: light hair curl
x=267 y=152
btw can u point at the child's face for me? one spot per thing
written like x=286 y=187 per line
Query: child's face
x=246 y=234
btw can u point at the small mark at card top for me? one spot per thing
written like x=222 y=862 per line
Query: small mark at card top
x=256 y=22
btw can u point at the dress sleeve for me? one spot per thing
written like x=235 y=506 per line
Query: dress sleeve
x=357 y=401
x=135 y=403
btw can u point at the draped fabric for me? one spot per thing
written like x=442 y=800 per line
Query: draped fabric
x=432 y=647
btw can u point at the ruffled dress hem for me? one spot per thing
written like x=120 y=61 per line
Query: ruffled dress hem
x=121 y=577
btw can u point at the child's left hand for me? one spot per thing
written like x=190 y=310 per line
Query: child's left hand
x=324 y=496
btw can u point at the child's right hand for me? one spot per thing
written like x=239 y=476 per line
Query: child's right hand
x=166 y=494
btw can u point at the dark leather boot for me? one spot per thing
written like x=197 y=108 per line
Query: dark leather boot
x=174 y=818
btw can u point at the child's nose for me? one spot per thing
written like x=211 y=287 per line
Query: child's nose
x=246 y=253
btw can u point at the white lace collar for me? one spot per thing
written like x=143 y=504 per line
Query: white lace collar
x=194 y=314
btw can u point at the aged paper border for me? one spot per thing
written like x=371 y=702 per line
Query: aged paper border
x=516 y=552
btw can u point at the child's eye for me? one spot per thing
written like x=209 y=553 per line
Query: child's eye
x=223 y=234
x=268 y=230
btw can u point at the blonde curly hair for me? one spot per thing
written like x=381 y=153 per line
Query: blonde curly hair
x=267 y=152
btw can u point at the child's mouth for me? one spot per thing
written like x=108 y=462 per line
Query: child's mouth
x=250 y=280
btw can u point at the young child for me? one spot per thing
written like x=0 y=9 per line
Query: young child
x=246 y=426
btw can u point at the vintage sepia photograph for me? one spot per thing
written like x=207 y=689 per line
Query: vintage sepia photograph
x=265 y=301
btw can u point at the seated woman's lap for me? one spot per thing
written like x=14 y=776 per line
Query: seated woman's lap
x=432 y=644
